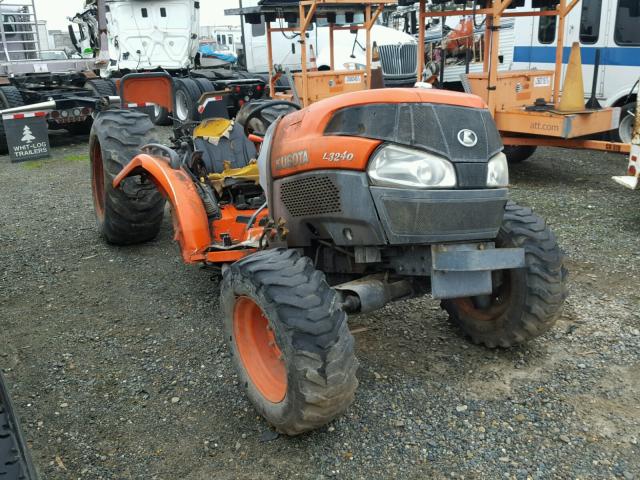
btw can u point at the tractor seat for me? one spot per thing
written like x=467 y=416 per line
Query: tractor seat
x=221 y=140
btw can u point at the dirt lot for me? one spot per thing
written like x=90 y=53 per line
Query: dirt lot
x=118 y=368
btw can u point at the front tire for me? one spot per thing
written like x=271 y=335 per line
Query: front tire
x=133 y=212
x=526 y=301
x=289 y=339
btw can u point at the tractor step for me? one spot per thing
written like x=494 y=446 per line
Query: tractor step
x=15 y=461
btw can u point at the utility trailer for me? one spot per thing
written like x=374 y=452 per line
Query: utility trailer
x=532 y=107
x=26 y=80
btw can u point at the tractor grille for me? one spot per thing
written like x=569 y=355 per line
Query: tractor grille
x=398 y=59
x=310 y=196
x=442 y=218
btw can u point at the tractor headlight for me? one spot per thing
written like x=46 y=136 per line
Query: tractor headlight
x=498 y=171
x=394 y=166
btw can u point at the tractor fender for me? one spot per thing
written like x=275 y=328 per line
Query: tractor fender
x=190 y=222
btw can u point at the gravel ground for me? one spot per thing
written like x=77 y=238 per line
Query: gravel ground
x=118 y=368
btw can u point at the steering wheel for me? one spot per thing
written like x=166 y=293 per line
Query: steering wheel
x=257 y=114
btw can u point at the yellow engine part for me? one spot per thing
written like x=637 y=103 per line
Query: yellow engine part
x=250 y=173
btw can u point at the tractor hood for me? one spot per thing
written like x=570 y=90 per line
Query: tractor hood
x=147 y=34
x=460 y=134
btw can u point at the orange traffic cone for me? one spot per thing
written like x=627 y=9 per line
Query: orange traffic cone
x=572 y=99
x=312 y=58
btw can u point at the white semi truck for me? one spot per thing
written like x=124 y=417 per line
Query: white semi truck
x=128 y=36
x=398 y=51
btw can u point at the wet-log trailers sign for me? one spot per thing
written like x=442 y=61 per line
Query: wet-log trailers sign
x=27 y=135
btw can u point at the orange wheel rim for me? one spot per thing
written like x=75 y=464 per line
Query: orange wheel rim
x=97 y=179
x=258 y=350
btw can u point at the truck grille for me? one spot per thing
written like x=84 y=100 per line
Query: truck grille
x=398 y=60
x=310 y=196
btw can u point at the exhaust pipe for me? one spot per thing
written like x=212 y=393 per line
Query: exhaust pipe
x=49 y=105
x=34 y=107
x=371 y=293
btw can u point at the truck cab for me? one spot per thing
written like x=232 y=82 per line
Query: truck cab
x=145 y=35
x=398 y=50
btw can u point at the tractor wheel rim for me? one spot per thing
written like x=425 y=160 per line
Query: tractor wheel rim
x=97 y=179
x=182 y=106
x=500 y=300
x=259 y=353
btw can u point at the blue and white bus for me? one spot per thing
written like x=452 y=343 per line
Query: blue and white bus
x=611 y=26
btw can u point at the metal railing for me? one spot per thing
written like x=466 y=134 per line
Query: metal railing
x=19 y=27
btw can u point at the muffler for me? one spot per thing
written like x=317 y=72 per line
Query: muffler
x=371 y=293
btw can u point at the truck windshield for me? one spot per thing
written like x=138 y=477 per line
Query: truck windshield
x=50 y=55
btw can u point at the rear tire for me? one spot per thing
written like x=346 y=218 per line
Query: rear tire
x=10 y=97
x=529 y=300
x=518 y=153
x=204 y=84
x=276 y=304
x=132 y=213
x=160 y=116
x=4 y=146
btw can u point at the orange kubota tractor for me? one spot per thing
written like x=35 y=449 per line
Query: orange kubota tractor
x=342 y=207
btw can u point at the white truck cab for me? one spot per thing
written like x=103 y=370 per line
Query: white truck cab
x=147 y=34
x=398 y=50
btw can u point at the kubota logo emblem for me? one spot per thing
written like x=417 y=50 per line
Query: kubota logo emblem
x=292 y=160
x=467 y=138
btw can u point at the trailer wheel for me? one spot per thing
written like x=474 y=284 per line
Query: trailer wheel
x=132 y=213
x=625 y=129
x=205 y=85
x=289 y=339
x=10 y=97
x=187 y=94
x=525 y=302
x=518 y=153
x=160 y=116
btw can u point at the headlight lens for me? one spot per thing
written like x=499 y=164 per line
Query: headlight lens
x=394 y=166
x=498 y=171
